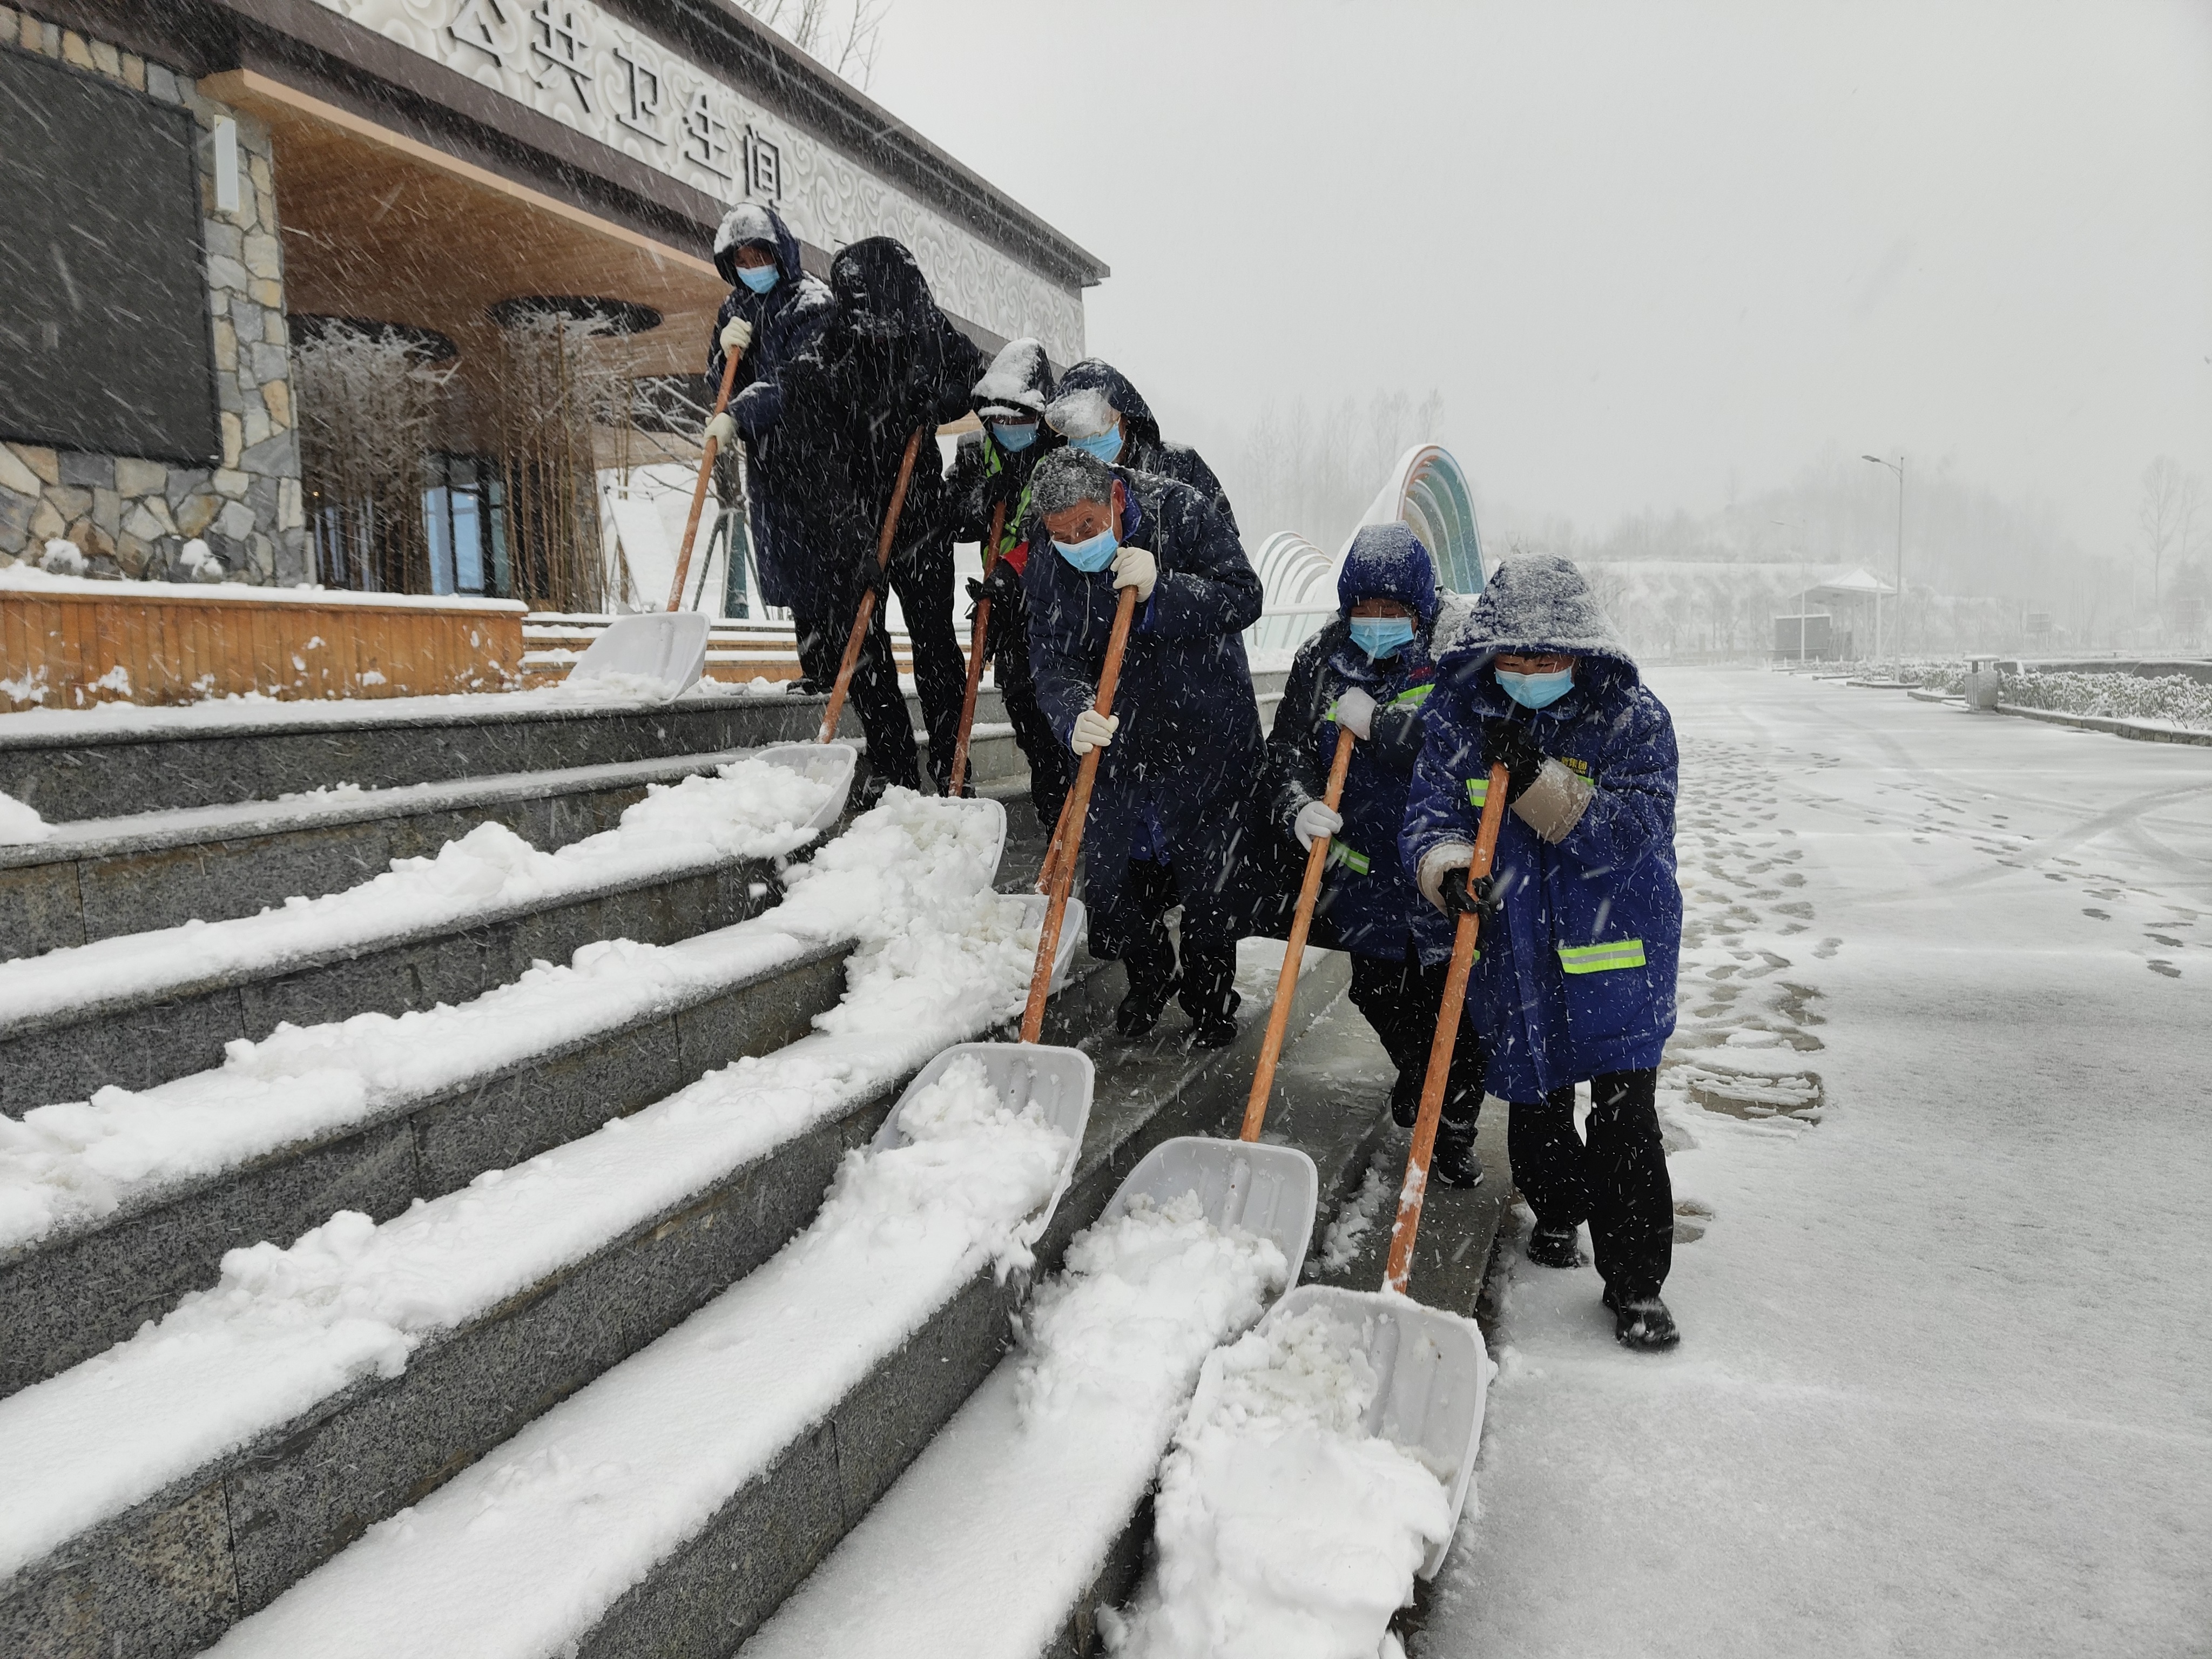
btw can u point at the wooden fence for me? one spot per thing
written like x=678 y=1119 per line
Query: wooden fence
x=68 y=644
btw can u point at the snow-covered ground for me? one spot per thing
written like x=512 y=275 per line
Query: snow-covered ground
x=1943 y=1384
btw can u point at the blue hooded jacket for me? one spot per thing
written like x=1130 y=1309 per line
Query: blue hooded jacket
x=1143 y=449
x=1368 y=900
x=1576 y=977
x=785 y=321
x=1178 y=780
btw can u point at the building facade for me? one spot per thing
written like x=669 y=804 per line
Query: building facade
x=210 y=191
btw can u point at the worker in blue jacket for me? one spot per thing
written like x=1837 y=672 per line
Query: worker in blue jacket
x=775 y=310
x=1178 y=781
x=1370 y=670
x=1583 y=916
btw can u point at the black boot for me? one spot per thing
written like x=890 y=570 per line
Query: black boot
x=1554 y=1247
x=1642 y=1322
x=1405 y=1094
x=1454 y=1163
x=1152 y=981
x=1216 y=1027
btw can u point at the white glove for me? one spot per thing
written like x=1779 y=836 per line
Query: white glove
x=1355 y=713
x=723 y=430
x=1315 y=821
x=1094 y=731
x=737 y=334
x=1134 y=567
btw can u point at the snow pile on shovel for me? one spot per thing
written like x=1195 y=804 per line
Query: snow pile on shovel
x=750 y=809
x=981 y=1547
x=1282 y=1528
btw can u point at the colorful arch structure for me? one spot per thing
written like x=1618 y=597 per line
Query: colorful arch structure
x=1427 y=492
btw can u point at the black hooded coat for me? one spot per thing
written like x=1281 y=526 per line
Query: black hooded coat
x=887 y=362
x=1143 y=449
x=785 y=321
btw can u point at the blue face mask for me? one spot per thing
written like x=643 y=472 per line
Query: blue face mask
x=1535 y=691
x=1094 y=554
x=1106 y=446
x=1382 y=636
x=1014 y=439
x=759 y=278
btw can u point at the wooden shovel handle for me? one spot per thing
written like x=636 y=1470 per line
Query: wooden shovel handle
x=1073 y=815
x=867 y=612
x=981 y=631
x=1416 y=1184
x=1286 y=983
x=699 y=490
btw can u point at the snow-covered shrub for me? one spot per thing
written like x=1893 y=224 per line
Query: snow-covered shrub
x=2174 y=697
x=62 y=558
x=200 y=562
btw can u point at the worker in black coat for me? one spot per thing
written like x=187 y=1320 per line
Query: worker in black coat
x=774 y=312
x=990 y=485
x=887 y=365
x=1178 y=781
x=1098 y=411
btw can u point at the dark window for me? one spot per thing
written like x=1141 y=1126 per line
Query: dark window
x=465 y=510
x=103 y=340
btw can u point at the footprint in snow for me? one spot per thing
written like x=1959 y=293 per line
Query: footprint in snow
x=2166 y=968
x=2101 y=915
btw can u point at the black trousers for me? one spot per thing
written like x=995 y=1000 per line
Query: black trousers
x=1402 y=999
x=1052 y=769
x=1617 y=1182
x=1134 y=927
x=874 y=693
x=922 y=577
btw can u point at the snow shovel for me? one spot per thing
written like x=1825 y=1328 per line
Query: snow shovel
x=867 y=612
x=1286 y=983
x=669 y=646
x=1432 y=1368
x=1270 y=1190
x=1072 y=816
x=981 y=631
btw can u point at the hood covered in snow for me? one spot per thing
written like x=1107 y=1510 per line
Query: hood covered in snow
x=1018 y=380
x=1387 y=561
x=748 y=221
x=1140 y=430
x=1535 y=602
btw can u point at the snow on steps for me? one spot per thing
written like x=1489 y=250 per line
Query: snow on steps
x=119 y=759
x=203 y=1465
x=677 y=1501
x=101 y=878
x=144 y=1008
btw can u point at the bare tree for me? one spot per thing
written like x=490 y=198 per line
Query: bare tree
x=2167 y=515
x=842 y=34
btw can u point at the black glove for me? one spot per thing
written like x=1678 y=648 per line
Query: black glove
x=869 y=576
x=1507 y=744
x=1463 y=897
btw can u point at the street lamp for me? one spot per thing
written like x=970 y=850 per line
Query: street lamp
x=1898 y=467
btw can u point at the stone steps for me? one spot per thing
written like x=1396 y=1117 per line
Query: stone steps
x=100 y=878
x=713 y=1589
x=137 y=1040
x=120 y=762
x=87 y=1285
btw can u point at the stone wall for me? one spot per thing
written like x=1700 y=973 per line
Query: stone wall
x=131 y=517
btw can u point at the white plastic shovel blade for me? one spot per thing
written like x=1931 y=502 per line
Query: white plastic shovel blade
x=1432 y=1375
x=1267 y=1190
x=825 y=762
x=1059 y=1081
x=667 y=646
x=1071 y=931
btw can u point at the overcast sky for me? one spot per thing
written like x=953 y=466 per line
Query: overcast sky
x=1651 y=254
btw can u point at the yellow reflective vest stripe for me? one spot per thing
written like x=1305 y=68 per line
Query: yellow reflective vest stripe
x=1601 y=958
